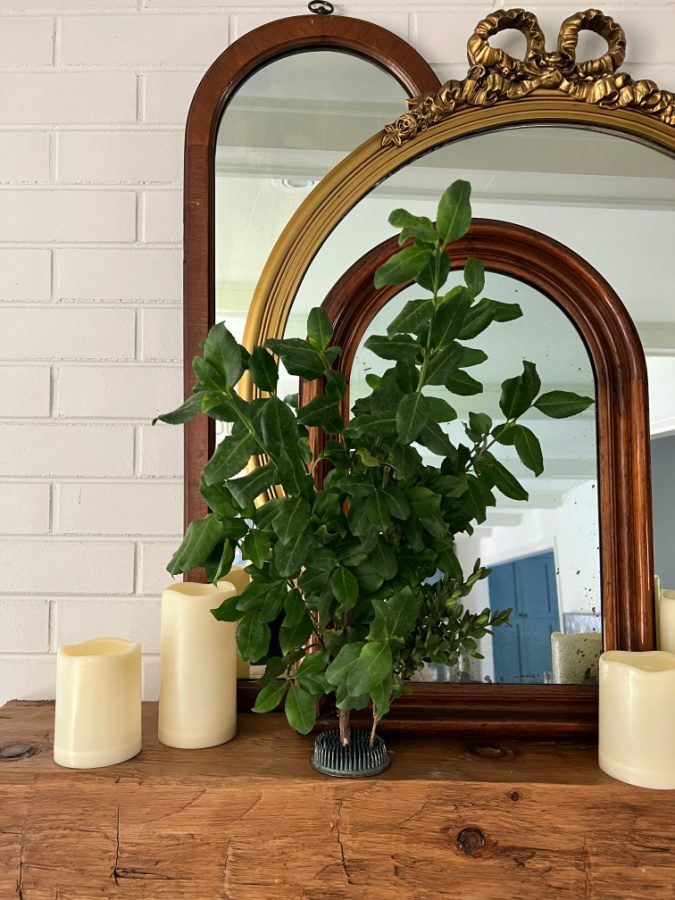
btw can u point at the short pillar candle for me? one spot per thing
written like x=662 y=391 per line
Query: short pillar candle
x=665 y=619
x=637 y=717
x=198 y=668
x=98 y=703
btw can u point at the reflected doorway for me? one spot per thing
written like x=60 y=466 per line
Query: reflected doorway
x=522 y=653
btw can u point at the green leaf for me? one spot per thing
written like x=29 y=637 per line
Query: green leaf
x=485 y=312
x=528 y=449
x=397 y=616
x=480 y=424
x=278 y=427
x=440 y=410
x=414 y=316
x=248 y=487
x=256 y=547
x=405 y=461
x=298 y=357
x=454 y=212
x=518 y=393
x=300 y=709
x=474 y=275
x=435 y=439
x=472 y=357
x=289 y=558
x=376 y=509
x=294 y=633
x=502 y=478
x=270 y=696
x=379 y=424
x=292 y=518
x=462 y=384
x=419 y=227
x=443 y=364
x=324 y=412
x=319 y=329
x=311 y=673
x=228 y=611
x=435 y=273
x=184 y=413
x=381 y=696
x=220 y=560
x=345 y=587
x=231 y=456
x=449 y=318
x=218 y=498
x=253 y=637
x=412 y=414
x=223 y=352
x=397 y=503
x=399 y=346
x=201 y=537
x=562 y=404
x=383 y=560
x=403 y=266
x=264 y=369
x=373 y=665
x=208 y=376
x=338 y=671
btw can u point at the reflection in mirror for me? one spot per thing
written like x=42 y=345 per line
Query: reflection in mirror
x=288 y=124
x=543 y=552
x=606 y=196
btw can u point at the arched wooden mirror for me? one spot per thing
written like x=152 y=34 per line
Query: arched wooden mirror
x=275 y=112
x=576 y=151
x=544 y=553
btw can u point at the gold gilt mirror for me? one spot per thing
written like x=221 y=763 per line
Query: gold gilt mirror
x=572 y=163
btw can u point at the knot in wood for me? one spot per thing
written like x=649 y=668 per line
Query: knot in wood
x=487 y=751
x=17 y=750
x=470 y=840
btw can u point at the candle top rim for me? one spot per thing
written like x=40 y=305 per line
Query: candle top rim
x=199 y=589
x=647 y=661
x=95 y=648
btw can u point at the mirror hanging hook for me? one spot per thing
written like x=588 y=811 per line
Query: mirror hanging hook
x=321 y=7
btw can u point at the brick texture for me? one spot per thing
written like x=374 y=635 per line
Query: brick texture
x=94 y=96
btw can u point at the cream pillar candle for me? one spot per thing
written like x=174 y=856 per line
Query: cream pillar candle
x=241 y=580
x=198 y=668
x=637 y=717
x=98 y=703
x=665 y=620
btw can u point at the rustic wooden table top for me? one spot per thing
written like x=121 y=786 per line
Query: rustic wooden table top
x=251 y=819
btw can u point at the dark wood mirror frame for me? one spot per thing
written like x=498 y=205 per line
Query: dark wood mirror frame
x=259 y=47
x=623 y=463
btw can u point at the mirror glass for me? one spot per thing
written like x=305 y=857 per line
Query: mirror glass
x=284 y=129
x=287 y=125
x=543 y=552
x=606 y=196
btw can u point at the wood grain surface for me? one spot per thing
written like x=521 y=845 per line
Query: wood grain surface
x=251 y=820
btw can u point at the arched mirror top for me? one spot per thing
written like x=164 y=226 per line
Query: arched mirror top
x=249 y=67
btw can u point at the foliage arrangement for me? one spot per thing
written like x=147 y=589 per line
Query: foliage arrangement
x=346 y=567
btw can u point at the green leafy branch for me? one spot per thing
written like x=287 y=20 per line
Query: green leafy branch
x=363 y=571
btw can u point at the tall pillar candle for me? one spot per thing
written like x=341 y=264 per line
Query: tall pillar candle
x=637 y=717
x=98 y=703
x=240 y=578
x=198 y=668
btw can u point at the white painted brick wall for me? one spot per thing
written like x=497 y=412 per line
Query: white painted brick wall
x=93 y=100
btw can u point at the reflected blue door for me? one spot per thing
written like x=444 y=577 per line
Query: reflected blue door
x=522 y=653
